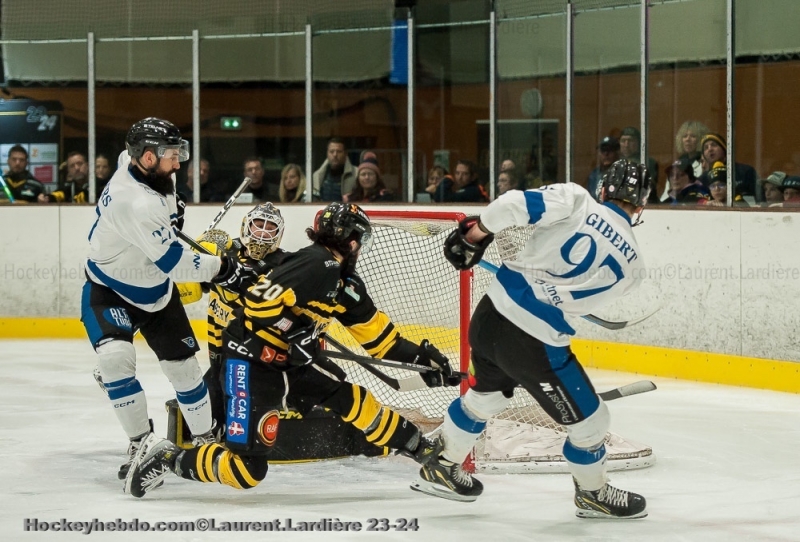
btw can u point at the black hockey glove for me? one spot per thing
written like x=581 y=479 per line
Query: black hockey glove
x=429 y=355
x=304 y=345
x=232 y=274
x=460 y=252
x=181 y=203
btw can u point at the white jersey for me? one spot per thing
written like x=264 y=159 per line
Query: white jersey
x=133 y=247
x=581 y=256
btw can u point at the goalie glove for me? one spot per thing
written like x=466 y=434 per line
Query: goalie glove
x=429 y=355
x=462 y=253
x=190 y=292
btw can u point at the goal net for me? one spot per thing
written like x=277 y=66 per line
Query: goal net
x=409 y=279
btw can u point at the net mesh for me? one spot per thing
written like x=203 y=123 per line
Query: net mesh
x=411 y=281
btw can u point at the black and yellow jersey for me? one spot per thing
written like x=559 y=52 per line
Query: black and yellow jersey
x=222 y=302
x=23 y=187
x=307 y=287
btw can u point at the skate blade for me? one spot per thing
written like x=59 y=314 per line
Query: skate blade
x=594 y=514
x=442 y=492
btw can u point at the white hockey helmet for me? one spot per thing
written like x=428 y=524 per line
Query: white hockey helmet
x=262 y=230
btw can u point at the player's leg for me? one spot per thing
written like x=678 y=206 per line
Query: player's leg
x=465 y=419
x=565 y=392
x=109 y=325
x=324 y=385
x=171 y=337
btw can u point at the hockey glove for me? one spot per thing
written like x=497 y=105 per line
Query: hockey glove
x=177 y=222
x=233 y=274
x=429 y=355
x=462 y=253
x=304 y=345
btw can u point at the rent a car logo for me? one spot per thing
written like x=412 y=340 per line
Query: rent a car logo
x=239 y=404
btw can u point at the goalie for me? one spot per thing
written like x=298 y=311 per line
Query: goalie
x=319 y=434
x=272 y=356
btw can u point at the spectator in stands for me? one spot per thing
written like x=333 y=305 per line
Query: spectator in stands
x=336 y=176
x=508 y=165
x=506 y=181
x=791 y=191
x=685 y=188
x=687 y=143
x=718 y=186
x=715 y=150
x=771 y=188
x=75 y=187
x=464 y=186
x=293 y=184
x=22 y=185
x=208 y=190
x=607 y=154
x=435 y=176
x=630 y=148
x=102 y=173
x=369 y=185
x=257 y=187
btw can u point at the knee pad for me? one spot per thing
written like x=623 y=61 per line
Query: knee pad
x=483 y=405
x=116 y=361
x=590 y=433
x=184 y=374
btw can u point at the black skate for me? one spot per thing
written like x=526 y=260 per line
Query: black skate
x=154 y=462
x=426 y=450
x=445 y=479
x=133 y=449
x=609 y=502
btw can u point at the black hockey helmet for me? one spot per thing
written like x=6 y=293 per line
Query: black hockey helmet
x=627 y=181
x=345 y=222
x=157 y=134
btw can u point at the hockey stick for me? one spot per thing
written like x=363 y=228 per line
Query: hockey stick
x=589 y=317
x=642 y=386
x=7 y=191
x=228 y=204
x=192 y=243
x=385 y=362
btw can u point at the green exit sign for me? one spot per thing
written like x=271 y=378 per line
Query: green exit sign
x=230 y=123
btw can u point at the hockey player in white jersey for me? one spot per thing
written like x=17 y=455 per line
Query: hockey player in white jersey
x=134 y=259
x=581 y=256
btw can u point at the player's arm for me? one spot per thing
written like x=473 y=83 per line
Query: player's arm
x=374 y=330
x=149 y=229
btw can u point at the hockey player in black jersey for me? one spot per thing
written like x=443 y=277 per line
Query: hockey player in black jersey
x=272 y=356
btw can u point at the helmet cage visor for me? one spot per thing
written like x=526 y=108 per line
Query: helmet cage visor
x=262 y=230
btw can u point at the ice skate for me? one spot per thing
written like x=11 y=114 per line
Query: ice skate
x=608 y=502
x=443 y=478
x=155 y=460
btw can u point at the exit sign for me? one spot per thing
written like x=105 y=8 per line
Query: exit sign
x=230 y=123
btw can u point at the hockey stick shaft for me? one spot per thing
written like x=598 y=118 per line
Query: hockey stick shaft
x=228 y=204
x=589 y=317
x=7 y=190
x=383 y=377
x=384 y=362
x=192 y=243
x=642 y=386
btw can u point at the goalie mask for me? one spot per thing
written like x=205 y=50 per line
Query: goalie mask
x=163 y=137
x=628 y=182
x=262 y=230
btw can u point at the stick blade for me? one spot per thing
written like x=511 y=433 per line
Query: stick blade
x=642 y=386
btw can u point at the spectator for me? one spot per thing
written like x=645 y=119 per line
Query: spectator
x=367 y=155
x=685 y=188
x=630 y=143
x=508 y=165
x=718 y=186
x=102 y=173
x=687 y=143
x=369 y=185
x=506 y=181
x=22 y=185
x=715 y=150
x=435 y=176
x=791 y=191
x=75 y=188
x=336 y=176
x=771 y=188
x=208 y=190
x=463 y=187
x=257 y=187
x=607 y=154
x=293 y=184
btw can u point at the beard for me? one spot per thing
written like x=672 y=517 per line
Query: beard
x=161 y=182
x=336 y=169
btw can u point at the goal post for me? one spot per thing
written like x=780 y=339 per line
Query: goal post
x=409 y=279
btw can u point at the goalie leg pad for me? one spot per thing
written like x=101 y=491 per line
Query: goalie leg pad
x=363 y=409
x=585 y=450
x=117 y=366
x=211 y=463
x=191 y=392
x=465 y=420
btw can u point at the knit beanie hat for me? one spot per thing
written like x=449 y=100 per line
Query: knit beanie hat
x=718 y=139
